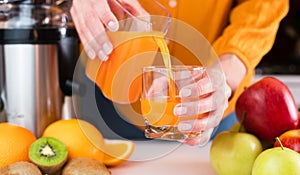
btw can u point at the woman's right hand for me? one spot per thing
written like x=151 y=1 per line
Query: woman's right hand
x=93 y=17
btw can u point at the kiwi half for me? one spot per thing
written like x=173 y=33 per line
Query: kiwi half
x=49 y=154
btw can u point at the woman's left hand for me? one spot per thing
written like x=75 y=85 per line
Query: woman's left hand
x=214 y=91
x=210 y=94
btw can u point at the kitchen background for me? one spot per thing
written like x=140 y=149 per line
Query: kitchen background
x=283 y=61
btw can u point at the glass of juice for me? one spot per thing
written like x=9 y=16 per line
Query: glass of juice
x=134 y=46
x=161 y=86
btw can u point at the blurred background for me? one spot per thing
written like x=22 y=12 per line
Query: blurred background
x=283 y=61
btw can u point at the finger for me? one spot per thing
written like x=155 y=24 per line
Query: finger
x=189 y=72
x=201 y=106
x=95 y=42
x=106 y=15
x=185 y=77
x=199 y=125
x=84 y=33
x=197 y=88
x=97 y=39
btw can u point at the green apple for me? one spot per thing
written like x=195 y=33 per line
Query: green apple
x=237 y=127
x=277 y=161
x=233 y=153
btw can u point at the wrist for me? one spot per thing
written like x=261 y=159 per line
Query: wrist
x=234 y=70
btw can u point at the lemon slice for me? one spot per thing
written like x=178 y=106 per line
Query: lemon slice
x=117 y=151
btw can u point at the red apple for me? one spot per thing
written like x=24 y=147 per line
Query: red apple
x=290 y=139
x=299 y=119
x=270 y=109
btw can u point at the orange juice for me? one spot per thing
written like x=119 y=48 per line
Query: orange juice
x=163 y=47
x=160 y=112
x=161 y=121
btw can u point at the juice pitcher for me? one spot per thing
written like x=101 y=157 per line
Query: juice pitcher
x=135 y=46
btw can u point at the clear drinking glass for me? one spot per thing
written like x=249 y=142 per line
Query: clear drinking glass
x=161 y=87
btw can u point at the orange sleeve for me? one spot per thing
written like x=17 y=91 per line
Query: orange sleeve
x=252 y=29
x=250 y=35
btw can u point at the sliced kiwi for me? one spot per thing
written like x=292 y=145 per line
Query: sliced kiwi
x=49 y=154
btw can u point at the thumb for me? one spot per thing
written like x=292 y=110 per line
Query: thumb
x=111 y=22
x=107 y=17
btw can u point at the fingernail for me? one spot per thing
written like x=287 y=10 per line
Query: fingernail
x=184 y=126
x=102 y=55
x=180 y=110
x=113 y=26
x=107 y=48
x=91 y=54
x=185 y=92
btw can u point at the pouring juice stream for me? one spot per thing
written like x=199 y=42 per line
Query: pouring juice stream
x=162 y=45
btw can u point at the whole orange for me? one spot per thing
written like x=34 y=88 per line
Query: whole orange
x=14 y=143
x=81 y=138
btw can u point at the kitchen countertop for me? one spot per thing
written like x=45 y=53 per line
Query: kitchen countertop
x=164 y=157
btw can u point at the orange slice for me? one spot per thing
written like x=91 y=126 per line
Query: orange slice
x=117 y=151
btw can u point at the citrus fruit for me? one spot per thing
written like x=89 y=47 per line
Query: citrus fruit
x=81 y=138
x=117 y=151
x=14 y=143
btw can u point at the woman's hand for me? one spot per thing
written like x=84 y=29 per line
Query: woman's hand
x=93 y=17
x=214 y=91
x=210 y=94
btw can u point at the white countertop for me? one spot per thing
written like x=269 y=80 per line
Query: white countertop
x=164 y=158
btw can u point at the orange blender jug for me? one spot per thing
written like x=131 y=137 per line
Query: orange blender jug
x=119 y=78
